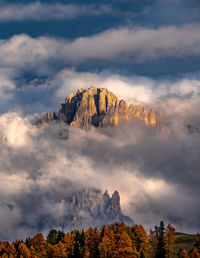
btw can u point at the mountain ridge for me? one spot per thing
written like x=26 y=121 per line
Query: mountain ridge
x=99 y=107
x=92 y=207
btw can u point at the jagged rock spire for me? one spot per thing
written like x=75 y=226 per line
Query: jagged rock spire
x=90 y=207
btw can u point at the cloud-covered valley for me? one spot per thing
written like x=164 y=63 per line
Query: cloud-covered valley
x=157 y=174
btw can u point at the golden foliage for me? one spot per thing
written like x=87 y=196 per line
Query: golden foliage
x=114 y=241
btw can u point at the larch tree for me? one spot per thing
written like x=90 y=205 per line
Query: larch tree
x=141 y=240
x=69 y=244
x=24 y=250
x=153 y=241
x=92 y=237
x=56 y=251
x=38 y=244
x=169 y=239
x=195 y=251
x=107 y=245
x=124 y=245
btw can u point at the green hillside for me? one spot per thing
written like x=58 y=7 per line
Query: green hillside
x=183 y=241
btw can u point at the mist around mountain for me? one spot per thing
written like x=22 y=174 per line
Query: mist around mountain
x=82 y=209
x=152 y=171
x=140 y=135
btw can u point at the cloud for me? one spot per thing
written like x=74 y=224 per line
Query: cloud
x=156 y=174
x=141 y=43
x=36 y=177
x=38 y=11
x=168 y=95
x=7 y=83
x=45 y=95
x=133 y=44
x=152 y=171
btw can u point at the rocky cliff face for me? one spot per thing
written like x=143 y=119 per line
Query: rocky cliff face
x=90 y=207
x=100 y=108
x=48 y=117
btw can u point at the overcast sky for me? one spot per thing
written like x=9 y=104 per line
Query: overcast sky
x=146 y=53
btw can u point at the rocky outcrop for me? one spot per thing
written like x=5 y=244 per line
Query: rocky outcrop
x=100 y=108
x=90 y=207
x=46 y=118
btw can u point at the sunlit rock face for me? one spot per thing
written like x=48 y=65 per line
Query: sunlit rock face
x=101 y=108
x=48 y=117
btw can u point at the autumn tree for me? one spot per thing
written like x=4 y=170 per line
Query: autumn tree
x=56 y=251
x=195 y=251
x=38 y=244
x=197 y=242
x=132 y=236
x=183 y=253
x=13 y=250
x=114 y=241
x=92 y=237
x=69 y=243
x=153 y=241
x=124 y=245
x=3 y=247
x=123 y=242
x=107 y=245
x=141 y=240
x=8 y=250
x=169 y=239
x=24 y=250
x=33 y=252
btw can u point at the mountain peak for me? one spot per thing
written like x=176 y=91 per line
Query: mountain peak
x=99 y=107
x=91 y=207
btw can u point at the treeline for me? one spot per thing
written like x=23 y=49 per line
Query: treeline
x=117 y=240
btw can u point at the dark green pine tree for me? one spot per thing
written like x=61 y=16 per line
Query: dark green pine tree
x=55 y=236
x=79 y=246
x=60 y=235
x=160 y=252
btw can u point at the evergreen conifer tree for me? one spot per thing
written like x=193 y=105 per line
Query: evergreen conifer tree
x=160 y=252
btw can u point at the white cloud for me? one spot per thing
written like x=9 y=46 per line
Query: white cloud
x=38 y=11
x=13 y=137
x=7 y=84
x=35 y=164
x=41 y=96
x=116 y=44
x=134 y=89
x=140 y=43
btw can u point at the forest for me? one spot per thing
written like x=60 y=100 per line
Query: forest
x=116 y=240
